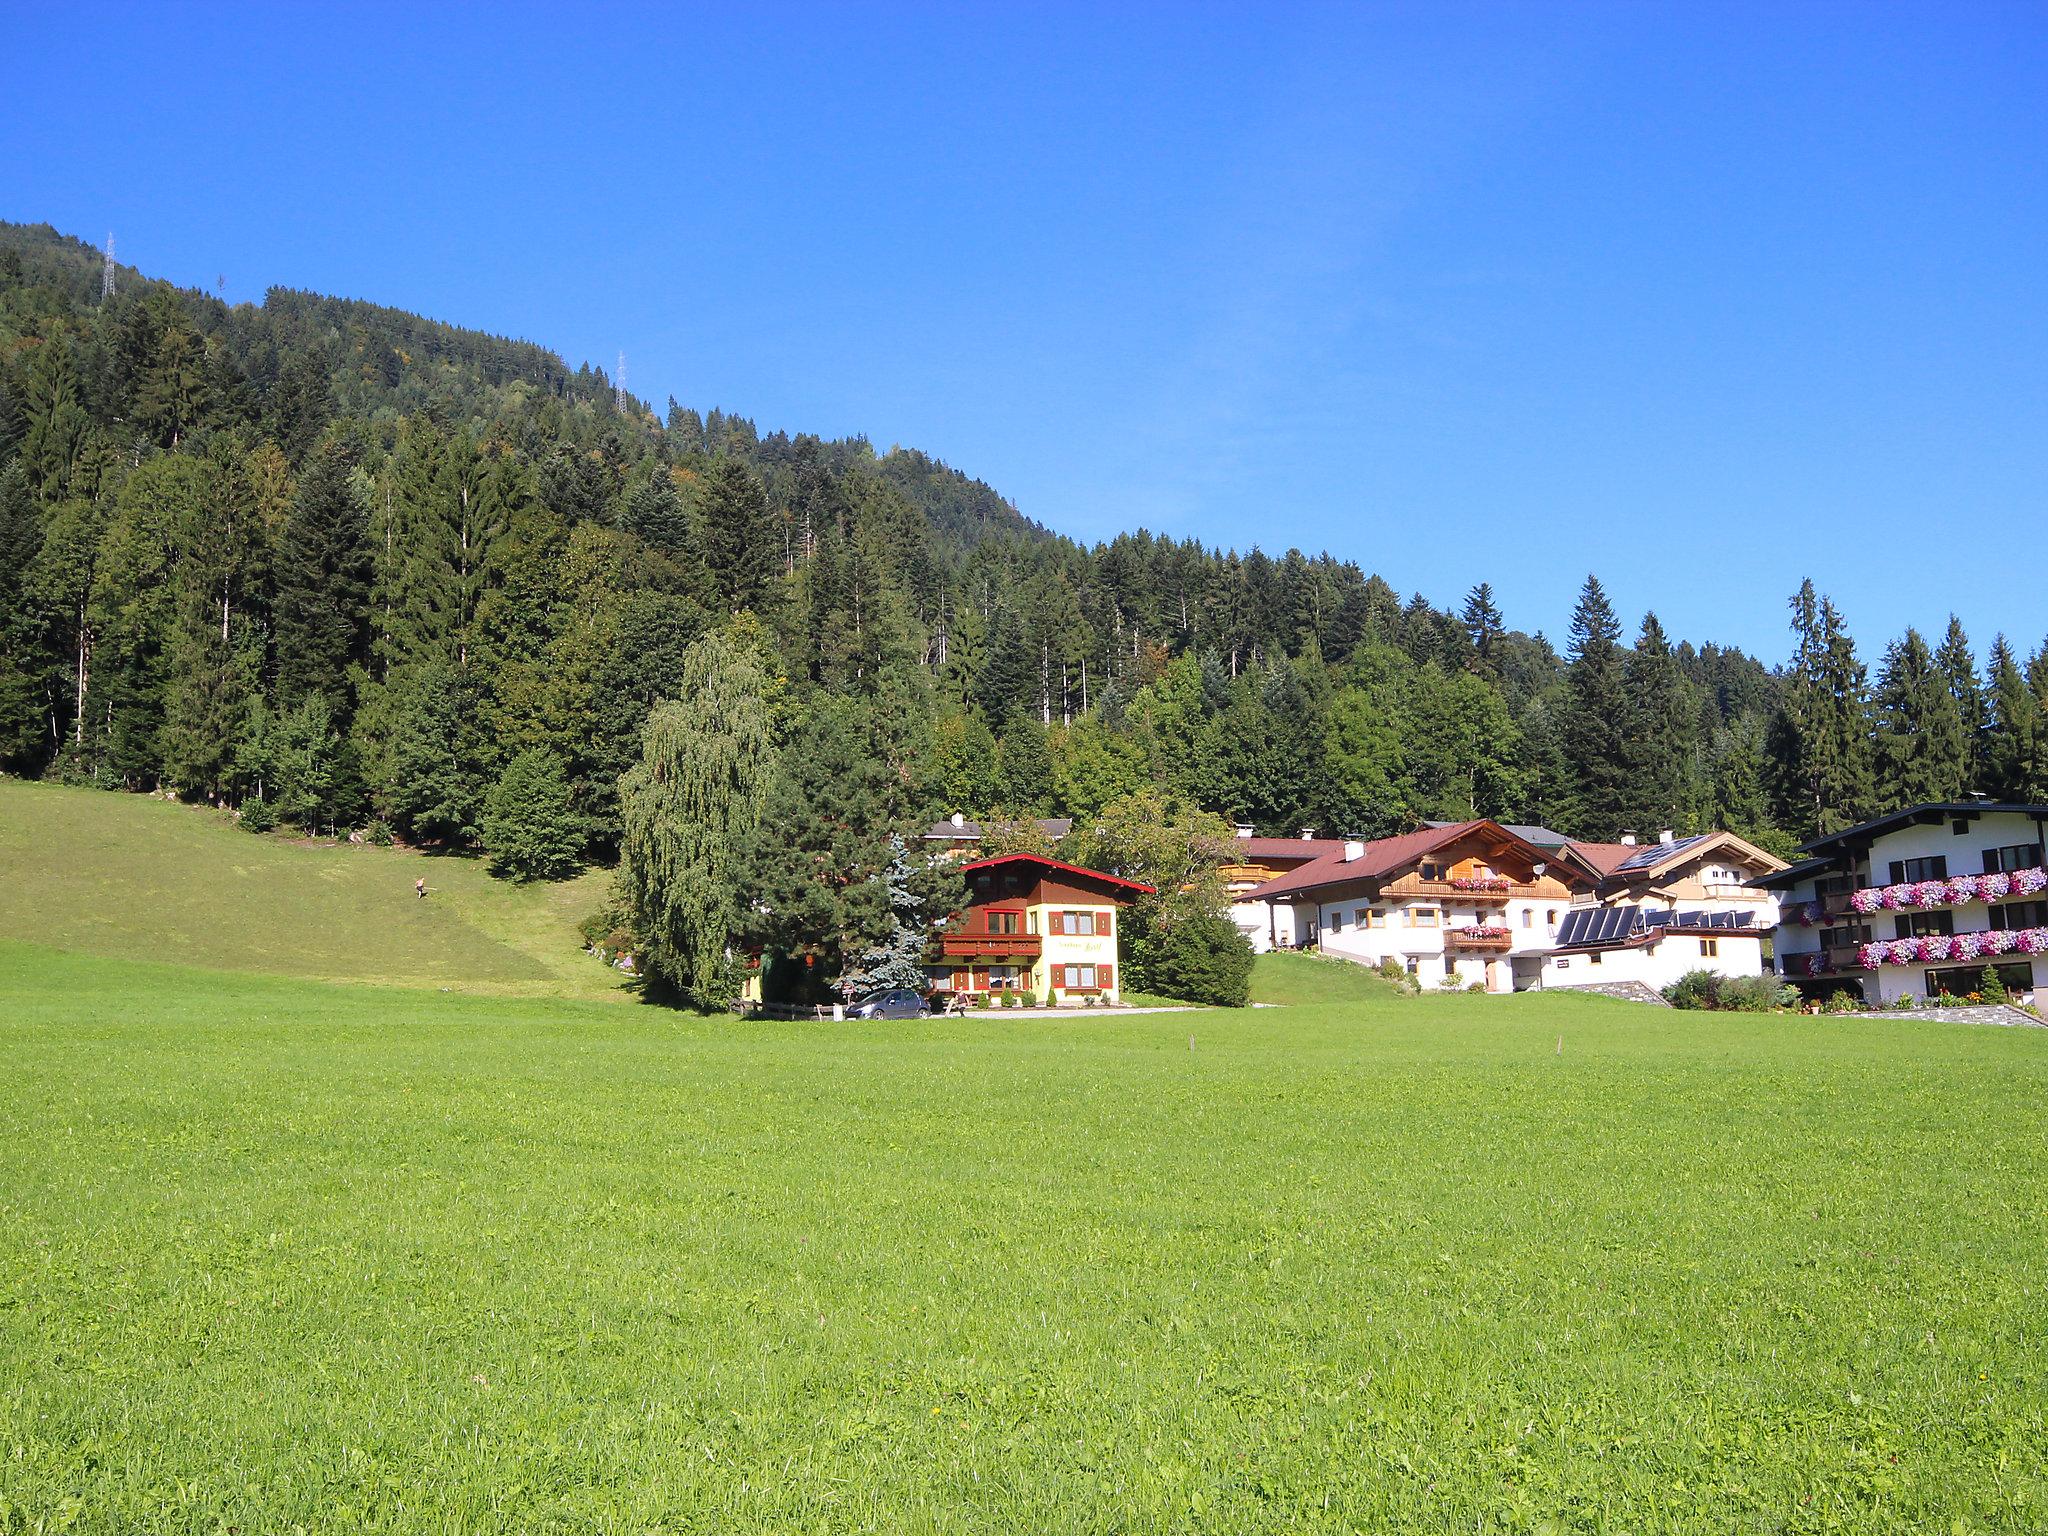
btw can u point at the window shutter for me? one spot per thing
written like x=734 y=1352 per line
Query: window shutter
x=1940 y=862
x=1105 y=975
x=1898 y=872
x=1902 y=928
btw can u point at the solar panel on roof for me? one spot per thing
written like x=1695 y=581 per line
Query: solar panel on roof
x=1599 y=925
x=1654 y=853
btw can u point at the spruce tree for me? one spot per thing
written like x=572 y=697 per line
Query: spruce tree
x=1959 y=666
x=2016 y=766
x=1023 y=768
x=1595 y=716
x=741 y=552
x=1740 y=776
x=825 y=837
x=1823 y=745
x=1484 y=629
x=1921 y=751
x=1662 y=735
x=322 y=575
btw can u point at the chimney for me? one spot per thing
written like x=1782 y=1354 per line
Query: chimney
x=1353 y=849
x=1665 y=836
x=1243 y=829
x=1308 y=834
x=1628 y=839
x=959 y=820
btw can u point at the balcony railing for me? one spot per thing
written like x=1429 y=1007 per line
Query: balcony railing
x=967 y=946
x=1954 y=948
x=1463 y=890
x=1955 y=891
x=1844 y=957
x=1480 y=937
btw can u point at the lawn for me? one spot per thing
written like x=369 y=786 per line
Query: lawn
x=115 y=875
x=279 y=1255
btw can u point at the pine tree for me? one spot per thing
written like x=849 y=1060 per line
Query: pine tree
x=2016 y=756
x=1484 y=629
x=895 y=956
x=690 y=807
x=322 y=575
x=741 y=551
x=300 y=404
x=655 y=513
x=55 y=427
x=1740 y=773
x=1921 y=751
x=1023 y=769
x=1594 y=720
x=1959 y=666
x=843 y=793
x=1824 y=745
x=1663 y=735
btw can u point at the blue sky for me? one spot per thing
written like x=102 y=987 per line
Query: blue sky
x=1704 y=299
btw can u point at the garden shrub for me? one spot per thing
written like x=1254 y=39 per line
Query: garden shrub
x=530 y=826
x=1202 y=959
x=1756 y=994
x=1695 y=989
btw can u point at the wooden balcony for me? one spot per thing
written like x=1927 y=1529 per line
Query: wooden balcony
x=1843 y=957
x=1473 y=938
x=1409 y=886
x=995 y=946
x=1836 y=905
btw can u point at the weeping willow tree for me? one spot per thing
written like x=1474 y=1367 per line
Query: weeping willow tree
x=691 y=800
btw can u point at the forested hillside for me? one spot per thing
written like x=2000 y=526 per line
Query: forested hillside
x=344 y=565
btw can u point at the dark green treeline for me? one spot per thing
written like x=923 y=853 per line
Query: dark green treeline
x=342 y=566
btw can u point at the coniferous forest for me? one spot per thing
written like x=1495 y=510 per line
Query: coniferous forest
x=342 y=567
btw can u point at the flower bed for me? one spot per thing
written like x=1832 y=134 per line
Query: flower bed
x=1481 y=883
x=1954 y=892
x=1960 y=946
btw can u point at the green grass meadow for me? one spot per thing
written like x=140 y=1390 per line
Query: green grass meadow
x=127 y=875
x=279 y=1254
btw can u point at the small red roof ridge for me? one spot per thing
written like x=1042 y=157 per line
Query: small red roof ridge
x=1605 y=857
x=1071 y=869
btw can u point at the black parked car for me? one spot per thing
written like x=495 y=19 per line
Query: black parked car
x=895 y=1003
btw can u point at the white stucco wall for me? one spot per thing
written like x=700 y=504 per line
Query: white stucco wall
x=1658 y=965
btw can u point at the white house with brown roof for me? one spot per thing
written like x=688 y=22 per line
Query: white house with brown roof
x=1453 y=905
x=1660 y=909
x=1252 y=861
x=1465 y=903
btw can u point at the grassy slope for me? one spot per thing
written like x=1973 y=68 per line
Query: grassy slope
x=114 y=875
x=1311 y=978
x=274 y=1253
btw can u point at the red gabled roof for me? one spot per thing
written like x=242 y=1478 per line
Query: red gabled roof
x=1384 y=856
x=1070 y=869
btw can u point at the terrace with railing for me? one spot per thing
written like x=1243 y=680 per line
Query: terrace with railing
x=1472 y=888
x=1480 y=936
x=999 y=946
